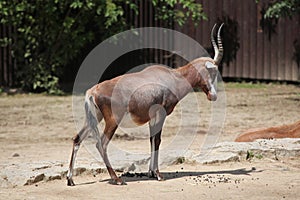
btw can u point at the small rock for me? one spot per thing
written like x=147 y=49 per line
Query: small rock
x=55 y=177
x=35 y=179
x=16 y=155
x=4 y=177
x=132 y=167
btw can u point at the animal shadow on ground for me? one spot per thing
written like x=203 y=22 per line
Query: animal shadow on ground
x=134 y=177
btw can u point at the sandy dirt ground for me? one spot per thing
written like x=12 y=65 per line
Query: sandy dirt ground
x=35 y=128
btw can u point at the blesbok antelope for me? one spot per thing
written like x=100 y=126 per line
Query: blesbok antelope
x=146 y=96
x=284 y=131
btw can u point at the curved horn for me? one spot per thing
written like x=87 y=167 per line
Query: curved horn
x=219 y=53
x=216 y=50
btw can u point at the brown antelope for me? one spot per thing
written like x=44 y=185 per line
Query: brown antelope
x=285 y=131
x=146 y=96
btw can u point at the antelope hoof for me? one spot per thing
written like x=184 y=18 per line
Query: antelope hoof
x=118 y=181
x=159 y=176
x=70 y=182
x=156 y=174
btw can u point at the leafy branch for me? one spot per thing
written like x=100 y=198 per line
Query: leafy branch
x=51 y=34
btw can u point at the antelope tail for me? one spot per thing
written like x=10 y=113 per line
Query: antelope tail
x=90 y=111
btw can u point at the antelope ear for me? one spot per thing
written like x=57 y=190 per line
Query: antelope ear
x=210 y=65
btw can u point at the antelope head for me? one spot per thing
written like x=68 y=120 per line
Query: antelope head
x=210 y=71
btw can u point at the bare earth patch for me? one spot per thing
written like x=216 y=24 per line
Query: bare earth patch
x=35 y=146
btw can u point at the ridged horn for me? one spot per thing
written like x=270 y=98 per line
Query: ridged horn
x=218 y=51
x=212 y=38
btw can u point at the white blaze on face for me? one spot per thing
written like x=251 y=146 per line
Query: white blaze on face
x=213 y=93
x=213 y=74
x=209 y=65
x=212 y=69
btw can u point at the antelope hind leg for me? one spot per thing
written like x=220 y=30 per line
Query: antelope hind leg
x=76 y=144
x=101 y=145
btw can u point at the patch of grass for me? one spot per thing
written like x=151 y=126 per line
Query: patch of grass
x=250 y=155
x=179 y=160
x=247 y=85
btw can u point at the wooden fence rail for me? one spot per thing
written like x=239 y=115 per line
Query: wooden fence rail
x=259 y=56
x=7 y=62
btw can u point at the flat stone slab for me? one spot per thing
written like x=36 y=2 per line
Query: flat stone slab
x=232 y=151
x=16 y=174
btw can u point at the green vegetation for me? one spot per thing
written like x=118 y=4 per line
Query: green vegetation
x=251 y=155
x=277 y=9
x=179 y=160
x=246 y=85
x=282 y=8
x=51 y=35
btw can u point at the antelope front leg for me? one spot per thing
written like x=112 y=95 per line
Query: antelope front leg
x=156 y=124
x=153 y=168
